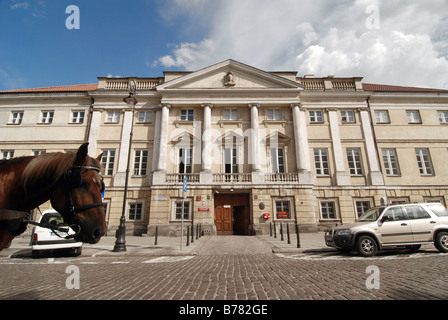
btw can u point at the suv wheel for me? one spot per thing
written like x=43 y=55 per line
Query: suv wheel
x=367 y=246
x=441 y=242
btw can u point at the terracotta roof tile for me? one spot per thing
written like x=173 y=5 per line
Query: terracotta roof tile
x=388 y=88
x=72 y=88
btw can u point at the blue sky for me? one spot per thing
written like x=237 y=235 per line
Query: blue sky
x=402 y=42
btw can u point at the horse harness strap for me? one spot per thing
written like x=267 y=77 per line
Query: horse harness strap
x=74 y=182
x=6 y=214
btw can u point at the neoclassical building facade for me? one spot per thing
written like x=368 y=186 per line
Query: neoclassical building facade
x=253 y=147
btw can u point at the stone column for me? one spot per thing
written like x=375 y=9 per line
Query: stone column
x=156 y=145
x=254 y=145
x=301 y=144
x=376 y=178
x=95 y=124
x=160 y=174
x=301 y=139
x=206 y=176
x=254 y=142
x=206 y=138
x=119 y=177
x=341 y=175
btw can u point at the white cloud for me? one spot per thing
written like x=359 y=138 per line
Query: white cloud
x=408 y=47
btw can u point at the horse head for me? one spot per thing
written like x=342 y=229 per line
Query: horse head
x=77 y=197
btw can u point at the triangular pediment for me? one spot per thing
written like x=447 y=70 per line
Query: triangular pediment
x=276 y=137
x=229 y=75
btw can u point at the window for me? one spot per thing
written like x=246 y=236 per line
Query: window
x=108 y=160
x=16 y=117
x=186 y=115
x=348 y=116
x=144 y=117
x=413 y=116
x=391 y=162
x=185 y=157
x=231 y=114
x=182 y=207
x=277 y=160
x=283 y=209
x=113 y=117
x=135 y=211
x=321 y=162
x=443 y=117
x=382 y=116
x=140 y=162
x=328 y=210
x=416 y=212
x=231 y=160
x=316 y=116
x=362 y=206
x=7 y=154
x=77 y=117
x=47 y=117
x=38 y=152
x=274 y=114
x=424 y=162
x=395 y=214
x=354 y=161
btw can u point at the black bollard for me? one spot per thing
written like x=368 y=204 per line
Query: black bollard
x=275 y=232
x=192 y=234
x=188 y=236
x=270 y=229
x=287 y=233
x=197 y=231
x=157 y=233
x=281 y=231
x=298 y=236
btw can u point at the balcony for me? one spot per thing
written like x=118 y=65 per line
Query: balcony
x=231 y=178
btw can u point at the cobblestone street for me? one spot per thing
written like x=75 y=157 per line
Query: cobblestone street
x=227 y=268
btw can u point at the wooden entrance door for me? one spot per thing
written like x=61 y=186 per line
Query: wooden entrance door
x=223 y=220
x=232 y=214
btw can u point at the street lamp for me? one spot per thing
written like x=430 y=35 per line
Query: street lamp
x=120 y=243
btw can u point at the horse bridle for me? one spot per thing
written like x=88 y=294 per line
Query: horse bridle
x=69 y=187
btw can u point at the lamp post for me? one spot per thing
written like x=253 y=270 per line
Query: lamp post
x=120 y=243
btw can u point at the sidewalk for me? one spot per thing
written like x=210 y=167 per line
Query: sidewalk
x=171 y=246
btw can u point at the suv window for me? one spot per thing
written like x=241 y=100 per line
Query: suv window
x=438 y=209
x=395 y=214
x=416 y=212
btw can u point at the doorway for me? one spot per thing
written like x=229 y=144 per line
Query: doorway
x=232 y=214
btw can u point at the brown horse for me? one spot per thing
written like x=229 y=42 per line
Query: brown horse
x=71 y=181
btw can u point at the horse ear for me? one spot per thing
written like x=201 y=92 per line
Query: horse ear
x=99 y=157
x=81 y=154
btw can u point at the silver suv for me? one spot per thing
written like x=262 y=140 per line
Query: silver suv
x=408 y=225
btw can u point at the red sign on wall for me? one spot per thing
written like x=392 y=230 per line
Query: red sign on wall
x=282 y=215
x=204 y=209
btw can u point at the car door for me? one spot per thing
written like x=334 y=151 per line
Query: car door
x=396 y=229
x=421 y=223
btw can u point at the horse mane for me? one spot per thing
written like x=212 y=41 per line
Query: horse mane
x=47 y=168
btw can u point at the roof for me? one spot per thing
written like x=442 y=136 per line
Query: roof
x=94 y=86
x=72 y=88
x=388 y=88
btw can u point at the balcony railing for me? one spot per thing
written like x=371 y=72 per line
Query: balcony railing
x=281 y=177
x=232 y=178
x=178 y=178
